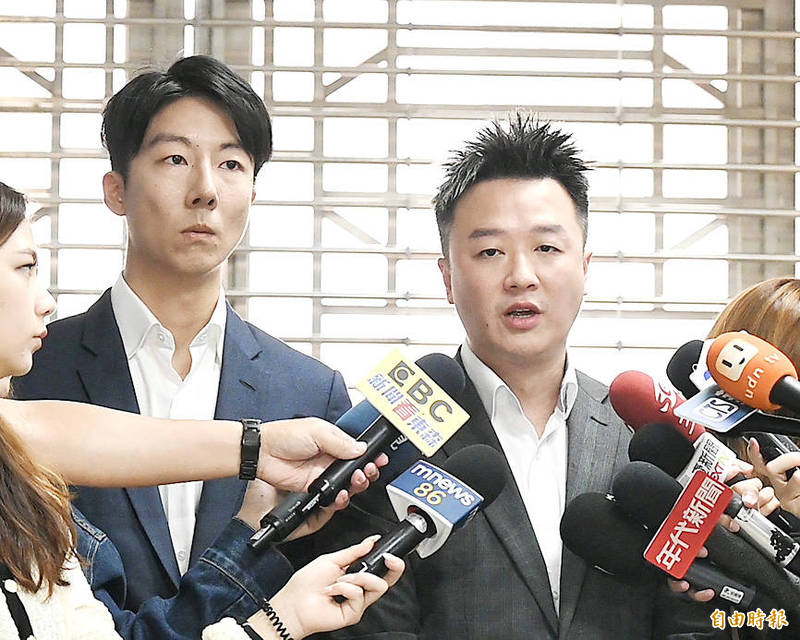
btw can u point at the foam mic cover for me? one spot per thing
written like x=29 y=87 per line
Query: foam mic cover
x=647 y=495
x=749 y=368
x=615 y=544
x=640 y=400
x=478 y=466
x=596 y=529
x=681 y=365
x=661 y=445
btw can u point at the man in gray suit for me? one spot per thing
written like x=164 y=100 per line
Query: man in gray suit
x=512 y=215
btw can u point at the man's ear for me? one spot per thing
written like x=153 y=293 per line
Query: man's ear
x=253 y=195
x=114 y=192
x=444 y=267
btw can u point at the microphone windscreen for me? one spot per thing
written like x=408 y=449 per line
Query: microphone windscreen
x=481 y=468
x=595 y=528
x=661 y=445
x=645 y=493
x=748 y=368
x=446 y=372
x=682 y=364
x=640 y=400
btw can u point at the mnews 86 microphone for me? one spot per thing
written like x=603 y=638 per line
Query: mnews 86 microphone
x=432 y=502
x=401 y=402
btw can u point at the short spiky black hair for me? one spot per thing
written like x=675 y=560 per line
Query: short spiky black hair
x=130 y=110
x=526 y=148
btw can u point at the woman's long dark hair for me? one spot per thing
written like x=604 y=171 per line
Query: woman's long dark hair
x=36 y=531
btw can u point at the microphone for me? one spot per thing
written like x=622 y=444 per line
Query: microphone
x=647 y=495
x=661 y=445
x=377 y=431
x=596 y=529
x=754 y=372
x=640 y=400
x=681 y=366
x=434 y=502
x=664 y=447
x=756 y=421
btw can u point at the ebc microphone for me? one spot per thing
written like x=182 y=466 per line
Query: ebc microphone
x=401 y=402
x=432 y=502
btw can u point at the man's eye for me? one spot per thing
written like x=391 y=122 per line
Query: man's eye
x=547 y=248
x=490 y=253
x=31 y=267
x=232 y=164
x=176 y=159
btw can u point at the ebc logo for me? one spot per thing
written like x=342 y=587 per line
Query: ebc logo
x=437 y=486
x=420 y=392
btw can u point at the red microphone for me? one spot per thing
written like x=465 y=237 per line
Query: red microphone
x=640 y=400
x=753 y=371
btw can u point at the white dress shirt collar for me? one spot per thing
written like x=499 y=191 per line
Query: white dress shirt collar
x=488 y=384
x=136 y=321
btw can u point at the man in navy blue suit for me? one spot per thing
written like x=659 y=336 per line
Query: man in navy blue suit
x=185 y=147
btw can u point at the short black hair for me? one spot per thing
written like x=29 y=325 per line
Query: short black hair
x=12 y=211
x=526 y=148
x=130 y=110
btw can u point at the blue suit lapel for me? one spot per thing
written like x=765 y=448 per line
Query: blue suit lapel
x=107 y=380
x=243 y=387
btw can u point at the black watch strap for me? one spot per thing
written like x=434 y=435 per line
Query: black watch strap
x=251 y=445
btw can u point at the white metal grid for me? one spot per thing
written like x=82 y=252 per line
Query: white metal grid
x=687 y=111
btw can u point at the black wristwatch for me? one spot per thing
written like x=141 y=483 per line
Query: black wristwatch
x=251 y=445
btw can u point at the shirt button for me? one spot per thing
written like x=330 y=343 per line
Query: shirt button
x=181 y=555
x=161 y=337
x=10 y=586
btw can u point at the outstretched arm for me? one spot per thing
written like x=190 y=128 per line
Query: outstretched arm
x=102 y=447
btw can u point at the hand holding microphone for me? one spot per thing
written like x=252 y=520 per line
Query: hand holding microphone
x=421 y=405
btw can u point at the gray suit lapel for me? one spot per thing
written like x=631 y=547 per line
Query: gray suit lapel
x=507 y=515
x=107 y=379
x=592 y=447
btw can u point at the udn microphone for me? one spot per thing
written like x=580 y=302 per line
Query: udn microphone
x=647 y=495
x=432 y=502
x=678 y=371
x=376 y=430
x=596 y=529
x=754 y=372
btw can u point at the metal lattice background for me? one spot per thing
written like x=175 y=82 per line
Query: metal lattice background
x=687 y=110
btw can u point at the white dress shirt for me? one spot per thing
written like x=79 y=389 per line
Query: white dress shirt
x=161 y=392
x=539 y=465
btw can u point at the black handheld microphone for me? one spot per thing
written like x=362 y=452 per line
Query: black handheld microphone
x=647 y=495
x=479 y=466
x=379 y=433
x=682 y=364
x=596 y=529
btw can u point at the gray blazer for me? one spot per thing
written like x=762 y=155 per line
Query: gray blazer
x=489 y=580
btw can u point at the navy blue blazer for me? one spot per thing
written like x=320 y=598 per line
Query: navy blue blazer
x=83 y=360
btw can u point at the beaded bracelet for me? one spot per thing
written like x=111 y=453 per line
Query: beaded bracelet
x=272 y=615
